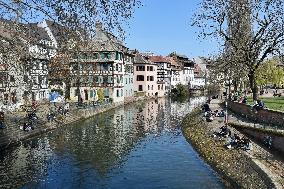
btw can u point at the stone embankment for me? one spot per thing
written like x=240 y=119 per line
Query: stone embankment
x=265 y=116
x=12 y=135
x=238 y=168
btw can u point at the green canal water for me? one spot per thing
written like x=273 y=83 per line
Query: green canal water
x=136 y=146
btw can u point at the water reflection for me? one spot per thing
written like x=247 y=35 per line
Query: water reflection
x=138 y=146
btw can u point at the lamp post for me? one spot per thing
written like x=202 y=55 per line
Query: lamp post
x=226 y=105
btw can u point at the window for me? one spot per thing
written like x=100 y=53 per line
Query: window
x=158 y=87
x=117 y=93
x=149 y=68
x=125 y=80
x=148 y=78
x=116 y=67
x=140 y=68
x=148 y=87
x=140 y=77
x=102 y=55
x=121 y=92
x=96 y=79
x=140 y=88
x=76 y=91
x=12 y=79
x=152 y=87
x=109 y=79
x=151 y=78
x=105 y=67
x=106 y=93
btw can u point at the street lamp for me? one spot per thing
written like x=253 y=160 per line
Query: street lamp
x=226 y=105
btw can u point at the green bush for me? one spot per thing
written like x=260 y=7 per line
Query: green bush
x=180 y=92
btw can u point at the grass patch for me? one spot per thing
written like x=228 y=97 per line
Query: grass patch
x=273 y=103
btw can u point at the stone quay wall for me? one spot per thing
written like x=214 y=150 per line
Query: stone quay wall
x=271 y=117
x=260 y=134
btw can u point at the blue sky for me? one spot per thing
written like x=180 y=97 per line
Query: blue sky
x=163 y=26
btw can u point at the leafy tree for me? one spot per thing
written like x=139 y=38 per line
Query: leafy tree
x=180 y=92
x=258 y=30
x=270 y=73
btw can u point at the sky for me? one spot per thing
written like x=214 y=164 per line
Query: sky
x=163 y=26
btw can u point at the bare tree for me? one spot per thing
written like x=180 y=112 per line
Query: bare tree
x=252 y=30
x=73 y=14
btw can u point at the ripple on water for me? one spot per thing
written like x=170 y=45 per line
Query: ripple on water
x=138 y=146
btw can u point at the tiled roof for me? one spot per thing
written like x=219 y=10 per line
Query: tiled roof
x=29 y=32
x=157 y=59
x=63 y=34
x=100 y=45
x=198 y=71
x=173 y=61
x=140 y=59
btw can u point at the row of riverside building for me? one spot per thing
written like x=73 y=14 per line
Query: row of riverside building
x=37 y=59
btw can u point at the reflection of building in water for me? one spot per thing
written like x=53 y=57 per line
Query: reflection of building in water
x=146 y=117
x=197 y=101
x=26 y=163
x=122 y=125
x=181 y=109
x=164 y=115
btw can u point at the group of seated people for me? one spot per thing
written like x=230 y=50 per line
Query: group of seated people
x=235 y=141
x=50 y=116
x=31 y=115
x=258 y=105
x=238 y=142
x=27 y=126
x=209 y=114
x=61 y=110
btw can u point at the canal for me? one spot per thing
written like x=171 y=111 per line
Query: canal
x=136 y=146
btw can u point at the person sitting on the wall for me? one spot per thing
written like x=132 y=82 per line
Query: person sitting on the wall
x=259 y=105
x=27 y=126
x=206 y=107
x=224 y=132
x=221 y=113
x=245 y=99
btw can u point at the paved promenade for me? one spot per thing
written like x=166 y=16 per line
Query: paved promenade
x=271 y=164
x=12 y=134
x=13 y=120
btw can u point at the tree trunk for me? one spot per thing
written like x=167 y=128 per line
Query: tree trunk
x=253 y=85
x=67 y=90
x=235 y=86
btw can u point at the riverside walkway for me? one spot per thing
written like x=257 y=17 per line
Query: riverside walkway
x=271 y=164
x=13 y=120
x=12 y=134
